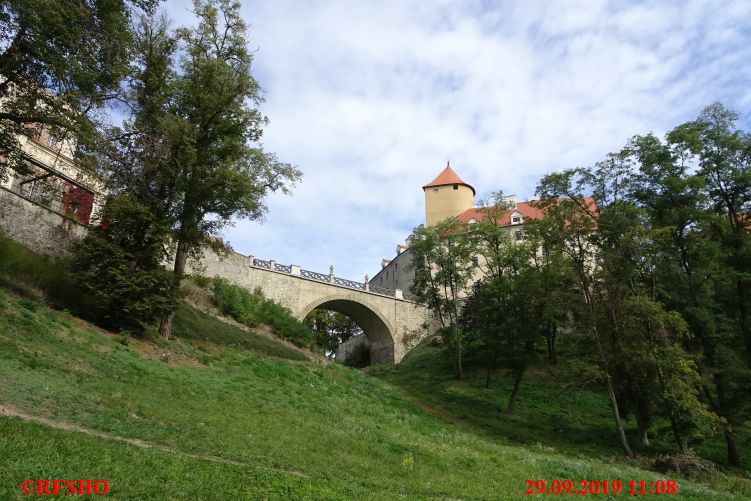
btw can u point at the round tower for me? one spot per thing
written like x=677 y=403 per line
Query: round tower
x=447 y=196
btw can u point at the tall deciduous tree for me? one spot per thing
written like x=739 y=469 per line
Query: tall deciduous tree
x=59 y=61
x=219 y=169
x=441 y=259
x=697 y=219
x=503 y=315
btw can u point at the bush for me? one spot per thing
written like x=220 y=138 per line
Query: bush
x=120 y=292
x=252 y=309
x=120 y=266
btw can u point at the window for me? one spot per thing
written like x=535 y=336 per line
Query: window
x=435 y=189
x=516 y=220
x=456 y=186
x=518 y=235
x=475 y=262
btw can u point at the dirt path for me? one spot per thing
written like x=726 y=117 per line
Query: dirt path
x=9 y=411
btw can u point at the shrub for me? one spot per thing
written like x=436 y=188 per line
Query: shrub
x=252 y=309
x=120 y=266
x=119 y=291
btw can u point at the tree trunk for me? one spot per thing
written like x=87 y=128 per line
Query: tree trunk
x=618 y=422
x=514 y=392
x=641 y=412
x=733 y=458
x=181 y=258
x=644 y=436
x=458 y=373
x=745 y=330
x=552 y=333
x=673 y=422
x=488 y=376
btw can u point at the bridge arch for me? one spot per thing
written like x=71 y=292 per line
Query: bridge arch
x=375 y=326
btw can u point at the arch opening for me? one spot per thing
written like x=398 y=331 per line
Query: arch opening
x=374 y=328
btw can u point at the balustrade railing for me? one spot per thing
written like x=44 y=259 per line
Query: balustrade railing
x=314 y=276
x=349 y=283
x=282 y=268
x=260 y=263
x=330 y=278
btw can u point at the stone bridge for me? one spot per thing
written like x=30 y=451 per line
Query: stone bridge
x=391 y=321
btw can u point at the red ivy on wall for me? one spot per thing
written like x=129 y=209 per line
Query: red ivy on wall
x=78 y=203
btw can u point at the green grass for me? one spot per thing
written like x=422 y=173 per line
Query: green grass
x=351 y=435
x=551 y=409
x=191 y=324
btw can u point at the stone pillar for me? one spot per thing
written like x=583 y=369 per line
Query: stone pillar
x=295 y=270
x=251 y=259
x=398 y=294
x=367 y=285
x=331 y=274
x=272 y=265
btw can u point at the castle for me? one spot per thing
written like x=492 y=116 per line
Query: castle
x=48 y=202
x=449 y=196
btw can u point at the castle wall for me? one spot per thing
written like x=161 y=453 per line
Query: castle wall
x=37 y=227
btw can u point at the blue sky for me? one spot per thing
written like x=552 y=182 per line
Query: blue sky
x=369 y=100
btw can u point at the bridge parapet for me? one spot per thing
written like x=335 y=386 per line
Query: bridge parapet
x=390 y=319
x=295 y=270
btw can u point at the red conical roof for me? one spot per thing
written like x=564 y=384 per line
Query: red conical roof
x=446 y=177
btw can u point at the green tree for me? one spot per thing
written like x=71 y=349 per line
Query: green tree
x=118 y=266
x=189 y=152
x=441 y=260
x=60 y=61
x=502 y=317
x=218 y=169
x=571 y=228
x=330 y=329
x=637 y=340
x=698 y=271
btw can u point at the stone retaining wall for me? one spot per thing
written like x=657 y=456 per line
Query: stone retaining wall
x=37 y=227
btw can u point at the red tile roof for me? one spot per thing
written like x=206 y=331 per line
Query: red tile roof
x=447 y=177
x=528 y=210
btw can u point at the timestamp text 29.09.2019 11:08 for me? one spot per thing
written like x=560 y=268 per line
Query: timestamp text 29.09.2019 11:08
x=589 y=487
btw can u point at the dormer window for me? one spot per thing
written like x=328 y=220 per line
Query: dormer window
x=472 y=221
x=516 y=220
x=456 y=186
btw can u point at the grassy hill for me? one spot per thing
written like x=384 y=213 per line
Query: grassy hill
x=206 y=417
x=552 y=408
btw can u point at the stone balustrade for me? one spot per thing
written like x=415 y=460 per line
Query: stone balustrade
x=330 y=278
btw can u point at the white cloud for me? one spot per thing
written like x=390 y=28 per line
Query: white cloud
x=370 y=99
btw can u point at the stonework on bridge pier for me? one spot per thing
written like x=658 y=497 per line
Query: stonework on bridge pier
x=390 y=321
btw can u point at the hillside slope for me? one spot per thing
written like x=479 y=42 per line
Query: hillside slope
x=228 y=423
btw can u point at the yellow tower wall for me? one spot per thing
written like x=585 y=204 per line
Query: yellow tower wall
x=442 y=202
